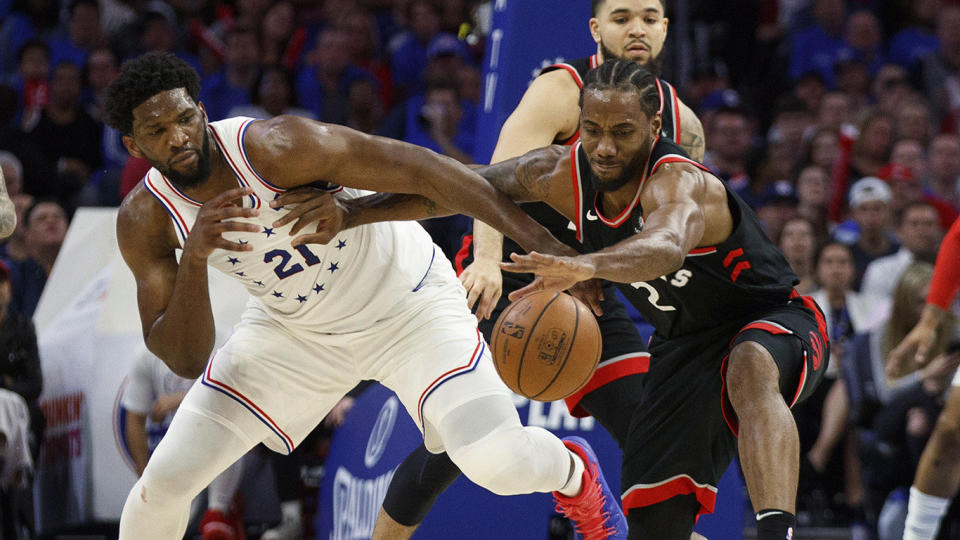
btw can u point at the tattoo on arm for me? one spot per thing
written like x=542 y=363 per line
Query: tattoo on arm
x=526 y=178
x=694 y=144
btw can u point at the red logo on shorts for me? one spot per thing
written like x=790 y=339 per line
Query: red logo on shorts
x=817 y=344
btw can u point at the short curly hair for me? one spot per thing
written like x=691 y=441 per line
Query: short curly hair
x=142 y=78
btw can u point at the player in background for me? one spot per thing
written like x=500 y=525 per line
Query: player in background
x=938 y=475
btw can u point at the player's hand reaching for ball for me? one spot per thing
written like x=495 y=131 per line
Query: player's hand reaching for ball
x=215 y=218
x=553 y=273
x=307 y=205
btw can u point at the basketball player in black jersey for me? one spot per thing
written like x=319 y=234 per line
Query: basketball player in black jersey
x=549 y=113
x=735 y=346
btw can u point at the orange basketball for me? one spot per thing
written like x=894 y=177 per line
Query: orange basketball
x=546 y=345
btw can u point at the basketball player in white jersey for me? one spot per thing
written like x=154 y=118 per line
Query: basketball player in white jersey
x=8 y=214
x=377 y=302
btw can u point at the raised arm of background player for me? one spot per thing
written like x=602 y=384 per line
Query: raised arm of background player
x=912 y=352
x=8 y=214
x=549 y=111
x=173 y=297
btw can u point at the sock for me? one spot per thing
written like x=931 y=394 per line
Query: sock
x=923 y=515
x=773 y=524
x=290 y=510
x=575 y=482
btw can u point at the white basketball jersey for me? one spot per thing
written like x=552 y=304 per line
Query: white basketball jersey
x=343 y=286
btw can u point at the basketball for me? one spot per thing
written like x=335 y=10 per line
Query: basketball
x=546 y=345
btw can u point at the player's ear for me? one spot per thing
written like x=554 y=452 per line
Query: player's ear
x=131 y=146
x=203 y=110
x=656 y=124
x=595 y=30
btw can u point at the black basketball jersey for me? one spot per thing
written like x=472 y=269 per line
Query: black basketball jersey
x=558 y=225
x=717 y=285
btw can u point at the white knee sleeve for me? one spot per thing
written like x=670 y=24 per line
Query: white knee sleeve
x=485 y=438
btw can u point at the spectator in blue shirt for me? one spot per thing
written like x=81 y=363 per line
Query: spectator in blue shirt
x=917 y=40
x=409 y=49
x=816 y=47
x=82 y=34
x=46 y=227
x=230 y=86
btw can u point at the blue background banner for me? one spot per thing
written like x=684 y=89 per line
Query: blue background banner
x=526 y=37
x=378 y=434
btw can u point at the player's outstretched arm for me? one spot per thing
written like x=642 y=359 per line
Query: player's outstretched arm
x=173 y=298
x=680 y=204
x=295 y=151
x=8 y=214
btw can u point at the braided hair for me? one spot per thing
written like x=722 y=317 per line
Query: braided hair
x=625 y=76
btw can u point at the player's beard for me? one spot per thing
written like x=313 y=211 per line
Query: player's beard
x=631 y=171
x=653 y=65
x=202 y=172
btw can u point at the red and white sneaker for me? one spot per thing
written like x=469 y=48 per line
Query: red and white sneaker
x=595 y=513
x=216 y=525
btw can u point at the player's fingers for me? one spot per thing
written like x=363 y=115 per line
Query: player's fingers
x=295 y=196
x=221 y=227
x=320 y=237
x=291 y=213
x=519 y=267
x=228 y=196
x=487 y=303
x=473 y=293
x=533 y=287
x=322 y=217
x=228 y=212
x=223 y=243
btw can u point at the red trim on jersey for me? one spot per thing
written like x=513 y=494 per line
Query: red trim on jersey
x=469 y=366
x=573 y=139
x=811 y=304
x=726 y=407
x=257 y=411
x=243 y=154
x=660 y=93
x=621 y=218
x=236 y=170
x=676 y=158
x=946 y=273
x=577 y=190
x=179 y=193
x=731 y=256
x=641 y=495
x=571 y=70
x=607 y=372
x=676 y=114
x=594 y=61
x=803 y=381
x=740 y=267
x=463 y=253
x=766 y=326
x=182 y=223
x=702 y=251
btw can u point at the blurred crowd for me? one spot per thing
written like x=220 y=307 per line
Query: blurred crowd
x=837 y=120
